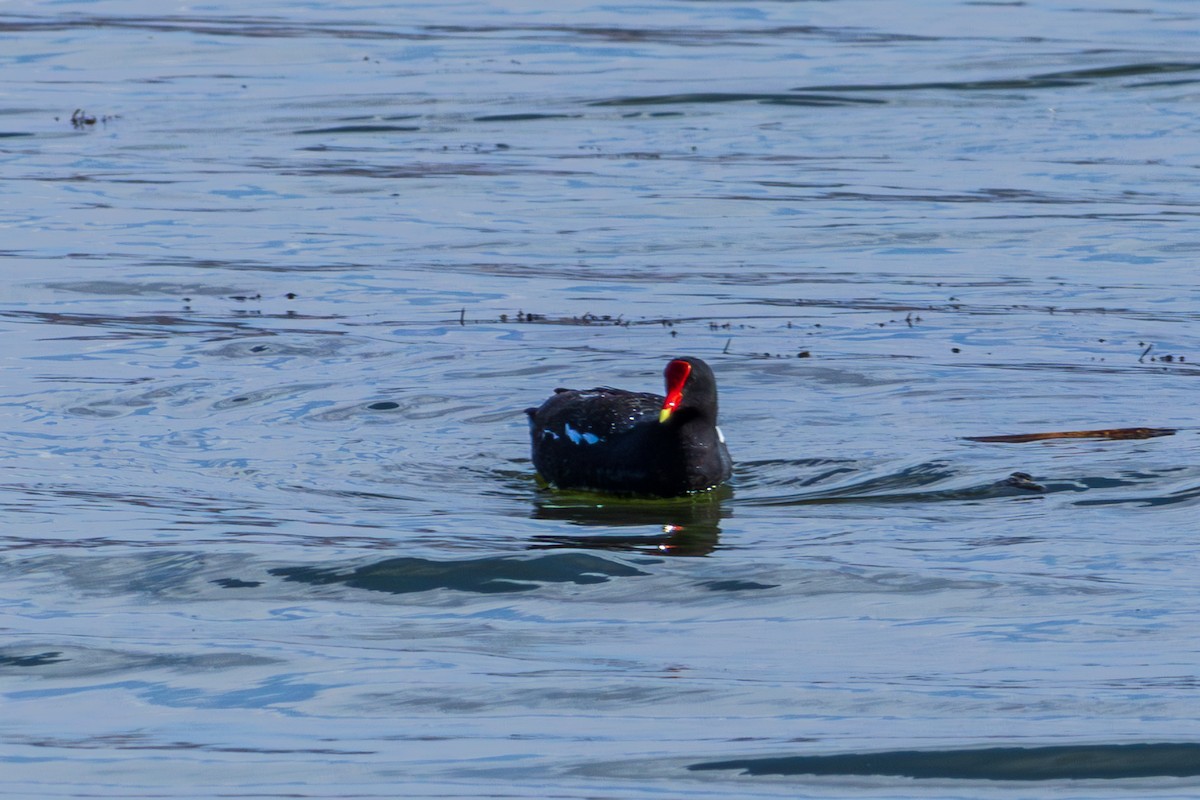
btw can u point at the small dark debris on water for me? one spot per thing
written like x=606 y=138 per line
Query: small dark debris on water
x=1166 y=359
x=1105 y=433
x=290 y=295
x=584 y=319
x=242 y=298
x=589 y=318
x=80 y=119
x=1023 y=480
x=955 y=350
x=384 y=405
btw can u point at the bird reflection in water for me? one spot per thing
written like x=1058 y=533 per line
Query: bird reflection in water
x=686 y=526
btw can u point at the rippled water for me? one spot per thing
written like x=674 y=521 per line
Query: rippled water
x=277 y=293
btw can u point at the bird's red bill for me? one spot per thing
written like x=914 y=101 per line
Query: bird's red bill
x=677 y=375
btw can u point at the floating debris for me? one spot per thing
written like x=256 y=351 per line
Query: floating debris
x=1023 y=480
x=81 y=119
x=1106 y=433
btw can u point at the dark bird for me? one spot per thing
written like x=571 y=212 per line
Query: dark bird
x=612 y=440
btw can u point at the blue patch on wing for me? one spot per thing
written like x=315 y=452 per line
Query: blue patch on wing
x=577 y=437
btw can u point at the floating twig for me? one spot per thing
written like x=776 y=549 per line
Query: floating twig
x=1105 y=433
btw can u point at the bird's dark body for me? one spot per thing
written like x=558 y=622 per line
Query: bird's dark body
x=611 y=440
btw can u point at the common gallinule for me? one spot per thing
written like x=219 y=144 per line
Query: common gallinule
x=612 y=440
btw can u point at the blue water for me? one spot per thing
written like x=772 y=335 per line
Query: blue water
x=279 y=280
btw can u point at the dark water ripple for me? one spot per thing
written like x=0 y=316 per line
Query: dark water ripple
x=486 y=576
x=703 y=98
x=1051 y=80
x=1096 y=762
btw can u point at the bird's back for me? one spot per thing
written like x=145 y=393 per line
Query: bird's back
x=597 y=439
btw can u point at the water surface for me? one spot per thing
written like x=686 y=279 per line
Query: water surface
x=276 y=297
